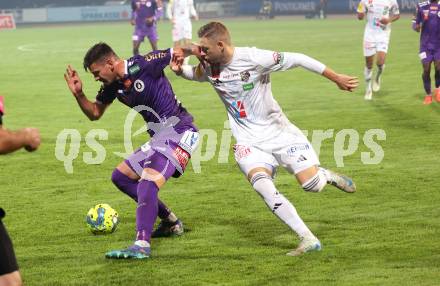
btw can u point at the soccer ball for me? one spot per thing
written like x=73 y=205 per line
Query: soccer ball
x=102 y=219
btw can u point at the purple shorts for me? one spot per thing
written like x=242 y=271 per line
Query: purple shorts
x=141 y=32
x=429 y=55
x=176 y=147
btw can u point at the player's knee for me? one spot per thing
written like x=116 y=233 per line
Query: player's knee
x=316 y=183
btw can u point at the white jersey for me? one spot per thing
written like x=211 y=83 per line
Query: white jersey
x=244 y=87
x=376 y=10
x=181 y=10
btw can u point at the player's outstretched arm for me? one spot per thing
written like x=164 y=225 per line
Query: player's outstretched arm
x=344 y=82
x=10 y=141
x=93 y=110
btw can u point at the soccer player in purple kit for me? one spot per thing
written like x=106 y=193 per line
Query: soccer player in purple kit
x=427 y=20
x=144 y=15
x=140 y=83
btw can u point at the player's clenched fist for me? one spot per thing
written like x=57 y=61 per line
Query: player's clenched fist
x=32 y=138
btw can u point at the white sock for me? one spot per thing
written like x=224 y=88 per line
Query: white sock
x=171 y=217
x=279 y=205
x=142 y=243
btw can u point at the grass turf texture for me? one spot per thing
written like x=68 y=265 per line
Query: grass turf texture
x=386 y=234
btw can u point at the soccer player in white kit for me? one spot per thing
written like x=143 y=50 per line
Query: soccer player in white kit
x=380 y=14
x=180 y=13
x=265 y=137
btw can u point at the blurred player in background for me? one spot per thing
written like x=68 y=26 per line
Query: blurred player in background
x=10 y=141
x=140 y=83
x=380 y=15
x=144 y=16
x=265 y=137
x=180 y=13
x=427 y=20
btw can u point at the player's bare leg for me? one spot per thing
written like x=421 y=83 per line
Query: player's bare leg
x=426 y=77
x=136 y=45
x=153 y=44
x=380 y=62
x=437 y=80
x=368 y=73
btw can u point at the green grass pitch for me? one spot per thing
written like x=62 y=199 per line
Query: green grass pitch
x=385 y=234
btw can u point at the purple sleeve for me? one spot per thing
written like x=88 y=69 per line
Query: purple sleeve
x=156 y=61
x=106 y=94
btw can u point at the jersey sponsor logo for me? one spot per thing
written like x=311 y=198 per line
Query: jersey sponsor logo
x=241 y=151
x=297 y=147
x=248 y=86
x=425 y=14
x=139 y=85
x=154 y=56
x=182 y=156
x=134 y=69
x=240 y=111
x=189 y=141
x=245 y=76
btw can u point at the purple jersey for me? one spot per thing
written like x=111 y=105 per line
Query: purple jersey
x=428 y=16
x=141 y=10
x=146 y=87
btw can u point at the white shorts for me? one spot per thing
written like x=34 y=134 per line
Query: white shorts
x=291 y=150
x=371 y=48
x=182 y=30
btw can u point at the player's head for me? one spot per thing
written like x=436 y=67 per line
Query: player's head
x=100 y=60
x=214 y=40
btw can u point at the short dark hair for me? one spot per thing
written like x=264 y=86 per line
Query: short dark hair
x=215 y=30
x=96 y=53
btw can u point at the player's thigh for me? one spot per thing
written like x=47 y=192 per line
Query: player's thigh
x=11 y=279
x=436 y=58
x=251 y=159
x=369 y=49
x=133 y=166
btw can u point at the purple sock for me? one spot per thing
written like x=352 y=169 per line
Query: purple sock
x=147 y=193
x=147 y=209
x=129 y=187
x=427 y=83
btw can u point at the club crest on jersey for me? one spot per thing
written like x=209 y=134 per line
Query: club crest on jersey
x=278 y=58
x=245 y=76
x=240 y=111
x=139 y=85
